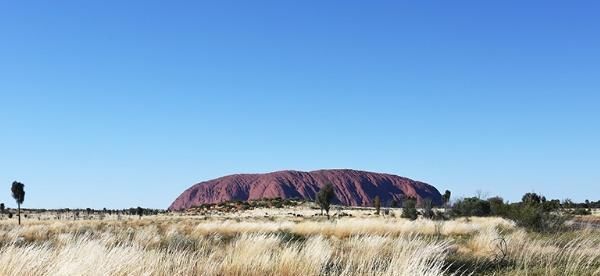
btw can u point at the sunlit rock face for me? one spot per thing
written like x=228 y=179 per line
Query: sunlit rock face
x=352 y=188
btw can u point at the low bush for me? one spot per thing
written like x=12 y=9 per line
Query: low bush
x=534 y=212
x=535 y=218
x=409 y=209
x=471 y=206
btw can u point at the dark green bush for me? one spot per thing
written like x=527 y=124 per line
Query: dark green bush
x=534 y=212
x=535 y=218
x=498 y=207
x=409 y=209
x=428 y=209
x=471 y=206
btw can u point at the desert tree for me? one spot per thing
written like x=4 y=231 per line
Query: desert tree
x=139 y=211
x=428 y=208
x=568 y=203
x=18 y=193
x=497 y=206
x=409 y=208
x=446 y=198
x=471 y=207
x=377 y=204
x=532 y=199
x=324 y=197
x=587 y=205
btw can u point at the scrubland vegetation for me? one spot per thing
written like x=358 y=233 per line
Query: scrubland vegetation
x=291 y=241
x=293 y=237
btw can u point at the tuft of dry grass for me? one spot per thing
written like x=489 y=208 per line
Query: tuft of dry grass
x=562 y=254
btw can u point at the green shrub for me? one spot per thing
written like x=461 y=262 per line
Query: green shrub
x=428 y=209
x=471 y=206
x=377 y=204
x=534 y=212
x=535 y=218
x=409 y=209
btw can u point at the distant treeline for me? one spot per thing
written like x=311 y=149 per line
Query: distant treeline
x=586 y=204
x=90 y=211
x=533 y=212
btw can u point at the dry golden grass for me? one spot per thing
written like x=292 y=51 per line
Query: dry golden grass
x=284 y=245
x=142 y=248
x=575 y=253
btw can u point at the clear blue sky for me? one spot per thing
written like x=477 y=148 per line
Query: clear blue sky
x=114 y=104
